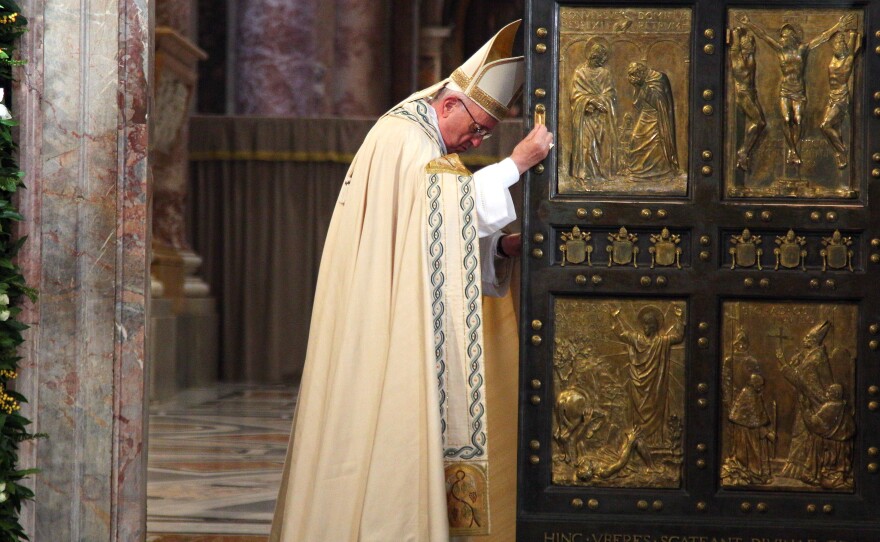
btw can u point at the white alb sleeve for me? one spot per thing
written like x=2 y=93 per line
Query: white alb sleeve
x=494 y=268
x=494 y=204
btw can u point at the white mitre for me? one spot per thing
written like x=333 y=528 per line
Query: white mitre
x=491 y=77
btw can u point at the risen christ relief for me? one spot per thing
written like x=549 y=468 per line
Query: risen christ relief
x=649 y=355
x=619 y=412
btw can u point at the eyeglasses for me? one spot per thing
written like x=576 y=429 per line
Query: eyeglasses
x=476 y=128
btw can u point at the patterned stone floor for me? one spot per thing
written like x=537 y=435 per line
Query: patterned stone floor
x=214 y=463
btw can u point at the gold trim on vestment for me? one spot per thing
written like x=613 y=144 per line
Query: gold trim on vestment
x=450 y=163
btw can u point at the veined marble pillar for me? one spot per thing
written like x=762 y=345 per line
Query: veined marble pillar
x=282 y=57
x=185 y=323
x=312 y=57
x=83 y=102
x=361 y=68
x=176 y=59
x=177 y=14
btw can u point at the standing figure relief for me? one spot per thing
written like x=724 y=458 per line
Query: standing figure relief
x=847 y=45
x=594 y=118
x=821 y=450
x=742 y=63
x=651 y=153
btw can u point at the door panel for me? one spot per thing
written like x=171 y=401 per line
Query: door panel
x=701 y=328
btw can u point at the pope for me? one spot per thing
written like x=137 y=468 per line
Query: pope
x=389 y=439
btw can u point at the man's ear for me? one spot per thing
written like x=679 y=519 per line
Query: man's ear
x=447 y=105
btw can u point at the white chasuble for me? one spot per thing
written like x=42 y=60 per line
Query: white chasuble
x=390 y=426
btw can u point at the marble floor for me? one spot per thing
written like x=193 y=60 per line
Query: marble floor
x=214 y=463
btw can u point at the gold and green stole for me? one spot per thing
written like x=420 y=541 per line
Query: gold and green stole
x=454 y=286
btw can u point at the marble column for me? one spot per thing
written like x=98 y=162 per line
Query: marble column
x=361 y=67
x=176 y=58
x=177 y=14
x=312 y=57
x=184 y=323
x=281 y=57
x=175 y=80
x=83 y=100
x=431 y=42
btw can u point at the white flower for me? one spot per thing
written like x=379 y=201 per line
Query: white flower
x=4 y=112
x=4 y=315
x=4 y=301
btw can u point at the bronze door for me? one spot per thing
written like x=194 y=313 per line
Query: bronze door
x=700 y=312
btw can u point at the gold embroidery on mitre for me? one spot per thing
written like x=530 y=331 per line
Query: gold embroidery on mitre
x=450 y=163
x=470 y=89
x=487 y=102
x=461 y=79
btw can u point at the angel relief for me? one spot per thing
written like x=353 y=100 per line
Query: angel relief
x=619 y=393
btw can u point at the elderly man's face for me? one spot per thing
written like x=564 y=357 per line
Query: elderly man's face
x=636 y=76
x=459 y=115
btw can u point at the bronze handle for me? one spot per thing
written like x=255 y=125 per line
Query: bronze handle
x=540 y=114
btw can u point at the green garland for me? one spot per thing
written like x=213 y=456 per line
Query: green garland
x=13 y=426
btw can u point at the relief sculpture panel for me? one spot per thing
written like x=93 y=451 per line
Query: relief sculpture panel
x=790 y=102
x=618 y=384
x=623 y=100
x=787 y=386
